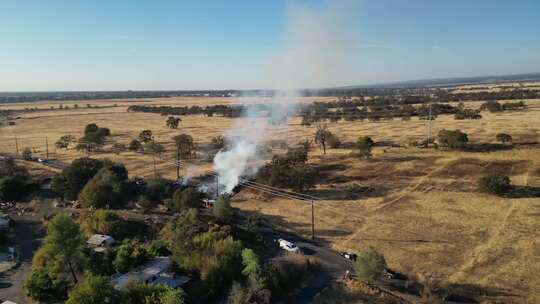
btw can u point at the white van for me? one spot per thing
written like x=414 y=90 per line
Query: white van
x=289 y=246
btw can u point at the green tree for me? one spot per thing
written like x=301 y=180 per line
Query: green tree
x=94 y=289
x=74 y=177
x=172 y=122
x=222 y=208
x=452 y=139
x=102 y=222
x=369 y=265
x=41 y=287
x=63 y=246
x=27 y=154
x=322 y=135
x=15 y=181
x=107 y=187
x=494 y=183
x=185 y=199
x=504 y=138
x=146 y=136
x=364 y=144
x=129 y=255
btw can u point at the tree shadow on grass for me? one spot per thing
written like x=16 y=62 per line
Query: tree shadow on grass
x=477 y=292
x=522 y=192
x=486 y=147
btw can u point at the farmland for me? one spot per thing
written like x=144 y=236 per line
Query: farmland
x=419 y=207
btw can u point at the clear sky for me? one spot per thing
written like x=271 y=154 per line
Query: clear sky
x=121 y=45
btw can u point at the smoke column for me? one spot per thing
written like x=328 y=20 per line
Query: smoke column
x=315 y=52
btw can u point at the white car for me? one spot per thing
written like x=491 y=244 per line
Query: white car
x=289 y=246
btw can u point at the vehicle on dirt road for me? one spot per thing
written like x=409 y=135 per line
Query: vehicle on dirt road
x=288 y=246
x=348 y=255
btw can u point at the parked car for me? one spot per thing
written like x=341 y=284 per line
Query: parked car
x=289 y=246
x=139 y=181
x=42 y=160
x=348 y=255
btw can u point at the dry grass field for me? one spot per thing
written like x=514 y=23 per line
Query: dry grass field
x=419 y=207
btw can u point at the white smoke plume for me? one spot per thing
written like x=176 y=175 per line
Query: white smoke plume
x=316 y=48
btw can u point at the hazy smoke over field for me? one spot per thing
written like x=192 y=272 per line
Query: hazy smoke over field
x=315 y=51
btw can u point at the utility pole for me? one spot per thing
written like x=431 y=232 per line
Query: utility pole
x=155 y=170
x=47 y=147
x=312 y=221
x=429 y=127
x=16 y=144
x=177 y=162
x=217 y=186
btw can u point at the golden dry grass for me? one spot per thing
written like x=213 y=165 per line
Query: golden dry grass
x=419 y=207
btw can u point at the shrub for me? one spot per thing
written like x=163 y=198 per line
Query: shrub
x=218 y=142
x=494 y=183
x=27 y=154
x=363 y=147
x=503 y=138
x=134 y=145
x=41 y=287
x=369 y=265
x=452 y=139
x=94 y=289
x=185 y=199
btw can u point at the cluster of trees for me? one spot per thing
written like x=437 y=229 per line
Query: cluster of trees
x=94 y=138
x=216 y=253
x=63 y=257
x=64 y=141
x=372 y=110
x=223 y=110
x=290 y=170
x=105 y=181
x=463 y=113
x=495 y=106
x=15 y=181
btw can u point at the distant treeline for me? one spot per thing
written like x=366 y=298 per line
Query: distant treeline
x=222 y=110
x=409 y=95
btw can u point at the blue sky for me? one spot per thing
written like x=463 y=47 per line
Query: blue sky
x=120 y=45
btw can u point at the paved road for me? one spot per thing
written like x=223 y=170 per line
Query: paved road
x=11 y=282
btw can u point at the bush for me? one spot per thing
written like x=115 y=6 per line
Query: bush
x=363 y=146
x=41 y=287
x=94 y=289
x=369 y=265
x=186 y=199
x=102 y=222
x=27 y=154
x=452 y=139
x=218 y=142
x=134 y=145
x=503 y=138
x=494 y=183
x=129 y=255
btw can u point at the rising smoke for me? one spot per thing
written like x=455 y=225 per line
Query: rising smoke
x=316 y=49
